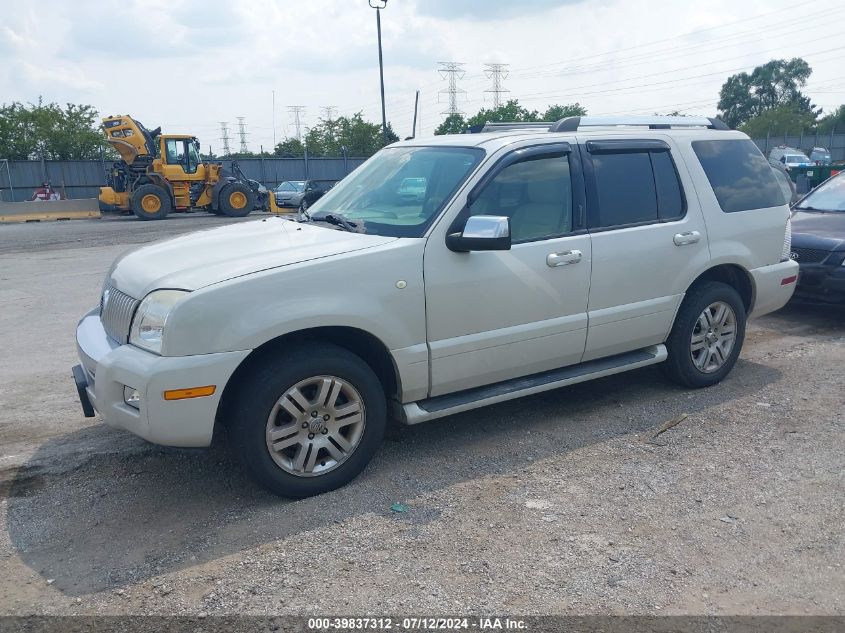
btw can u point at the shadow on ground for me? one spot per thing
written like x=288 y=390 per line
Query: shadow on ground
x=99 y=521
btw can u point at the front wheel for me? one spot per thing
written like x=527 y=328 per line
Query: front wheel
x=707 y=336
x=237 y=200
x=307 y=421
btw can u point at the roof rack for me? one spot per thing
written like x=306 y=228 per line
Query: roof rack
x=574 y=123
x=510 y=125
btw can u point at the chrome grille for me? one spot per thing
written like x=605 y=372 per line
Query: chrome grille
x=116 y=310
x=808 y=255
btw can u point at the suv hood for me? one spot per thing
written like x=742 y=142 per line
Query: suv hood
x=195 y=260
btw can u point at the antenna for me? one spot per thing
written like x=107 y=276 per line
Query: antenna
x=452 y=71
x=297 y=122
x=496 y=72
x=224 y=136
x=242 y=134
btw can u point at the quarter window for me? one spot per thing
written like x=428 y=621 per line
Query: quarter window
x=741 y=178
x=535 y=193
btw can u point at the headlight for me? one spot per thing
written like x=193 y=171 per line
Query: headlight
x=147 y=328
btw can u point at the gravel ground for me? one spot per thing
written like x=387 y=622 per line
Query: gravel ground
x=561 y=503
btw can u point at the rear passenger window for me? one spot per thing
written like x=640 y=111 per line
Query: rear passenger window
x=633 y=187
x=741 y=178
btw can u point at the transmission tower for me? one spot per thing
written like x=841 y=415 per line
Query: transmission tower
x=296 y=111
x=452 y=71
x=496 y=72
x=224 y=136
x=242 y=134
x=328 y=112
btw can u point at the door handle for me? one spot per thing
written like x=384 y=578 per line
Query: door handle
x=690 y=237
x=563 y=259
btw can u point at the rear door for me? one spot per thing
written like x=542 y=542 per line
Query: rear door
x=648 y=240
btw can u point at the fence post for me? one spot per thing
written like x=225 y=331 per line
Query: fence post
x=830 y=145
x=305 y=155
x=345 y=161
x=263 y=176
x=801 y=139
x=767 y=143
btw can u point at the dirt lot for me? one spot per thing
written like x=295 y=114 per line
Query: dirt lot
x=559 y=503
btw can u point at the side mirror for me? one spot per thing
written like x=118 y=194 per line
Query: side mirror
x=482 y=233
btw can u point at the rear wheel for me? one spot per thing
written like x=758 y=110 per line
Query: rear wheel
x=707 y=336
x=308 y=421
x=237 y=200
x=150 y=202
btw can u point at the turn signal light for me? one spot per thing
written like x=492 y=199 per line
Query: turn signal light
x=193 y=392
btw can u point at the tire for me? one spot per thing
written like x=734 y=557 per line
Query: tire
x=237 y=200
x=150 y=202
x=261 y=414
x=701 y=350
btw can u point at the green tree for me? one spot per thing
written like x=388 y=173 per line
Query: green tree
x=776 y=83
x=780 y=120
x=557 y=111
x=358 y=136
x=835 y=119
x=289 y=148
x=452 y=124
x=30 y=131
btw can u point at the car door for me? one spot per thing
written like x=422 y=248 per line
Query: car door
x=496 y=315
x=648 y=238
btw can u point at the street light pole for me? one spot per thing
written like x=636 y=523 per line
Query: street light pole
x=378 y=5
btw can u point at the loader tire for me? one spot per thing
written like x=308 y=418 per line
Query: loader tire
x=237 y=200
x=150 y=202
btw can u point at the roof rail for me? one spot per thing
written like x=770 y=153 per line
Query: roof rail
x=574 y=123
x=510 y=125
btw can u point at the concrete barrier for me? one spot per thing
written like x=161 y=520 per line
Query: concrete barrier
x=37 y=211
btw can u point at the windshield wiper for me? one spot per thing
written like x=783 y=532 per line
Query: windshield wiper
x=339 y=220
x=810 y=209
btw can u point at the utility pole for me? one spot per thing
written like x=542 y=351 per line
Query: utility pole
x=242 y=133
x=224 y=136
x=296 y=111
x=496 y=72
x=452 y=71
x=328 y=113
x=416 y=109
x=274 y=120
x=378 y=5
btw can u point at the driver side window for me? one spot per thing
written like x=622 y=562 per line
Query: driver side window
x=535 y=193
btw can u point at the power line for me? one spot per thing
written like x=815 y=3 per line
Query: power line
x=242 y=133
x=224 y=136
x=496 y=72
x=296 y=111
x=452 y=71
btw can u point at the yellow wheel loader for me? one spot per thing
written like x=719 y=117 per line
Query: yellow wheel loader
x=159 y=173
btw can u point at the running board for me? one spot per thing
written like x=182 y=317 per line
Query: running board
x=440 y=406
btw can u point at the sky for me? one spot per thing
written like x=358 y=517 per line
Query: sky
x=187 y=65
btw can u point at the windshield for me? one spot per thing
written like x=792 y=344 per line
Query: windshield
x=796 y=158
x=828 y=196
x=400 y=190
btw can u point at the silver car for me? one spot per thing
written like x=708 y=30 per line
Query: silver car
x=289 y=193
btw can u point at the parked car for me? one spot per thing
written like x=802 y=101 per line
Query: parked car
x=789 y=157
x=288 y=193
x=412 y=190
x=310 y=192
x=820 y=156
x=535 y=260
x=818 y=242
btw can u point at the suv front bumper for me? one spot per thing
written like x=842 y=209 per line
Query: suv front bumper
x=108 y=367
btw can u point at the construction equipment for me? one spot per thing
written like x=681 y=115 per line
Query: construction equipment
x=159 y=173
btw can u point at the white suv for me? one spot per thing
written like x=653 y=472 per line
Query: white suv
x=531 y=259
